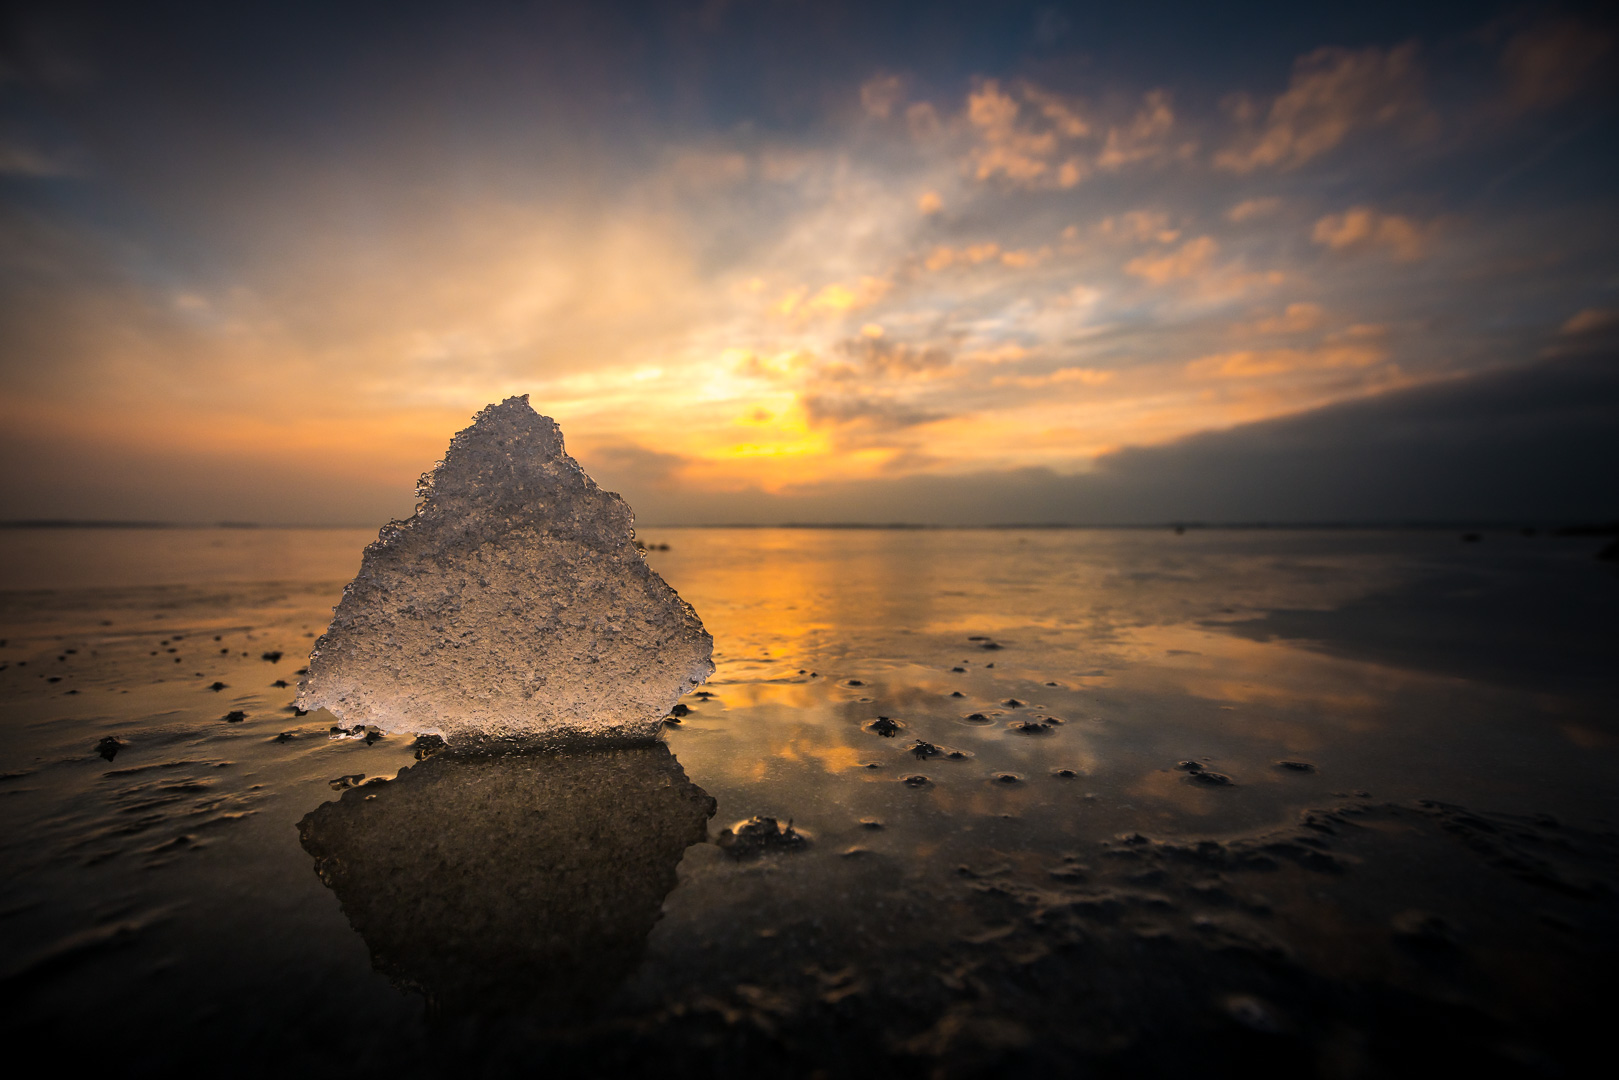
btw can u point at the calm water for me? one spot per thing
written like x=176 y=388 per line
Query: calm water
x=1096 y=858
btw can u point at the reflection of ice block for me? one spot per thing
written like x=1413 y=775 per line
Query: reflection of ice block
x=513 y=604
x=511 y=882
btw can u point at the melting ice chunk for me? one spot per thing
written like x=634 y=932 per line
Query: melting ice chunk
x=514 y=604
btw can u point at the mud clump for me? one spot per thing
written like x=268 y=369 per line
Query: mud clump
x=885 y=727
x=758 y=836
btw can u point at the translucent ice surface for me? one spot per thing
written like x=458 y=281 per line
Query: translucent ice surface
x=514 y=604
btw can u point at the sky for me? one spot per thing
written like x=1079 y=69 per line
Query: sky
x=770 y=260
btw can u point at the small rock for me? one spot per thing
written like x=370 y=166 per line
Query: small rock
x=109 y=747
x=216 y=687
x=925 y=750
x=274 y=657
x=426 y=745
x=916 y=781
x=1296 y=766
x=235 y=716
x=342 y=782
x=1012 y=703
x=1213 y=779
x=976 y=718
x=758 y=835
x=280 y=684
x=679 y=710
x=885 y=727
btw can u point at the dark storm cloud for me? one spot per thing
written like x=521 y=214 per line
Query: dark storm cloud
x=1535 y=443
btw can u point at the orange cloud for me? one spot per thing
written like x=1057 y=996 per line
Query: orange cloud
x=1060 y=377
x=1296 y=318
x=1141 y=226
x=879 y=95
x=1255 y=363
x=1589 y=320
x=1143 y=137
x=1333 y=92
x=1253 y=208
x=1362 y=228
x=1189 y=259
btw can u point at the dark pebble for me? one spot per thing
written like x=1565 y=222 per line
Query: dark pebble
x=915 y=781
x=54 y=678
x=958 y=670
x=280 y=684
x=991 y=645
x=216 y=687
x=427 y=744
x=1296 y=766
x=273 y=657
x=1213 y=779
x=235 y=716
x=976 y=718
x=1012 y=703
x=759 y=835
x=1008 y=778
x=1032 y=727
x=854 y=682
x=957 y=693
x=1189 y=766
x=109 y=747
x=924 y=750
x=284 y=737
x=679 y=710
x=1064 y=774
x=884 y=727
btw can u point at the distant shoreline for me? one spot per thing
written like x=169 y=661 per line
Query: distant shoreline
x=1561 y=528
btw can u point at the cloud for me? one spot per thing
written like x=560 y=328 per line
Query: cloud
x=1530 y=443
x=879 y=95
x=871 y=414
x=1333 y=93
x=1006 y=148
x=1258 y=363
x=1190 y=259
x=1140 y=226
x=1249 y=209
x=1297 y=318
x=1589 y=320
x=19 y=160
x=1061 y=377
x=880 y=357
x=835 y=298
x=1554 y=60
x=1362 y=229
x=1143 y=138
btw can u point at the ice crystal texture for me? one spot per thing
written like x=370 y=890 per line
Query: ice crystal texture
x=514 y=604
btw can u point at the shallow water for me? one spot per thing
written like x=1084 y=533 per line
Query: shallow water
x=1095 y=861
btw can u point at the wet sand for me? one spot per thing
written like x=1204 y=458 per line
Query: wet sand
x=1319 y=803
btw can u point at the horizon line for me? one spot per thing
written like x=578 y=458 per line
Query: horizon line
x=1576 y=526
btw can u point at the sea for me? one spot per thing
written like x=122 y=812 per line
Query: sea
x=956 y=802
